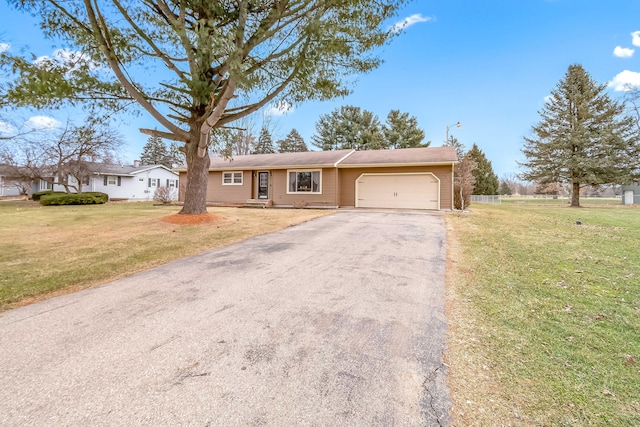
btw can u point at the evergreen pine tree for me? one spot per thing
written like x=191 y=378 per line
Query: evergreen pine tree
x=583 y=138
x=348 y=127
x=292 y=143
x=155 y=152
x=265 y=144
x=504 y=189
x=486 y=180
x=402 y=131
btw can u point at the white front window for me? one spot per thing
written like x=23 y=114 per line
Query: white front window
x=304 y=181
x=111 y=180
x=231 y=178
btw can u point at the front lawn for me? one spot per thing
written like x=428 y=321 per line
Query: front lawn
x=544 y=315
x=57 y=249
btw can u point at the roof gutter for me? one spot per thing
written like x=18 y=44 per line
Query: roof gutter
x=387 y=165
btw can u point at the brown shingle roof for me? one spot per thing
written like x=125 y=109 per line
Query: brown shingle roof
x=280 y=160
x=343 y=158
x=404 y=156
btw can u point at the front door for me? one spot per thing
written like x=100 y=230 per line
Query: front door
x=263 y=185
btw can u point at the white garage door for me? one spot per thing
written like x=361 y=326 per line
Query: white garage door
x=406 y=191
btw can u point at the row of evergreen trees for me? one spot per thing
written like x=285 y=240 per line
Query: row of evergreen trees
x=347 y=127
x=292 y=143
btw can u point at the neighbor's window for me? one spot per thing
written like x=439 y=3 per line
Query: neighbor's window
x=84 y=180
x=154 y=182
x=111 y=180
x=231 y=178
x=304 y=182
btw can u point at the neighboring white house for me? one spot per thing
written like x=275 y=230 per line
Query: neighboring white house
x=10 y=184
x=122 y=182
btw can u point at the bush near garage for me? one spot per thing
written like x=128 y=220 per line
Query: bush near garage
x=36 y=196
x=89 y=198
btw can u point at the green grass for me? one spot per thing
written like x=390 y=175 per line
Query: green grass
x=57 y=249
x=555 y=309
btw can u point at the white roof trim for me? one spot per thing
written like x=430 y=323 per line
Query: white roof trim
x=144 y=169
x=335 y=165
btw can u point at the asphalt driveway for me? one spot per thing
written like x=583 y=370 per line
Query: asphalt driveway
x=335 y=322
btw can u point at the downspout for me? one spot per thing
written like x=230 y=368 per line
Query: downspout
x=336 y=165
x=452 y=185
x=337 y=185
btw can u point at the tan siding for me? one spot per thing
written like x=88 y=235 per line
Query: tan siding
x=327 y=198
x=218 y=193
x=332 y=181
x=348 y=178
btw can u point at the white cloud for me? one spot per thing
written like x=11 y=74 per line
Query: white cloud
x=73 y=60
x=409 y=21
x=278 y=109
x=4 y=47
x=6 y=128
x=623 y=52
x=625 y=81
x=635 y=38
x=42 y=123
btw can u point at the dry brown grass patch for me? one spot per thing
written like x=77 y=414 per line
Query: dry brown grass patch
x=203 y=218
x=477 y=397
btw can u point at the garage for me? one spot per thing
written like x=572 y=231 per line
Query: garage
x=398 y=190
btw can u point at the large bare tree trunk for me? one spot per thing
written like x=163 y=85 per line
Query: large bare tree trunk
x=575 y=195
x=195 y=197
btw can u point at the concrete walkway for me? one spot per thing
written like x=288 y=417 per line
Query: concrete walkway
x=335 y=322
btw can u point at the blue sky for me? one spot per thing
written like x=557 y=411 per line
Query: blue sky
x=488 y=64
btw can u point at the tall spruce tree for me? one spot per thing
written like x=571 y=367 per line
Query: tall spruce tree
x=265 y=143
x=486 y=182
x=292 y=143
x=155 y=152
x=504 y=189
x=402 y=131
x=583 y=139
